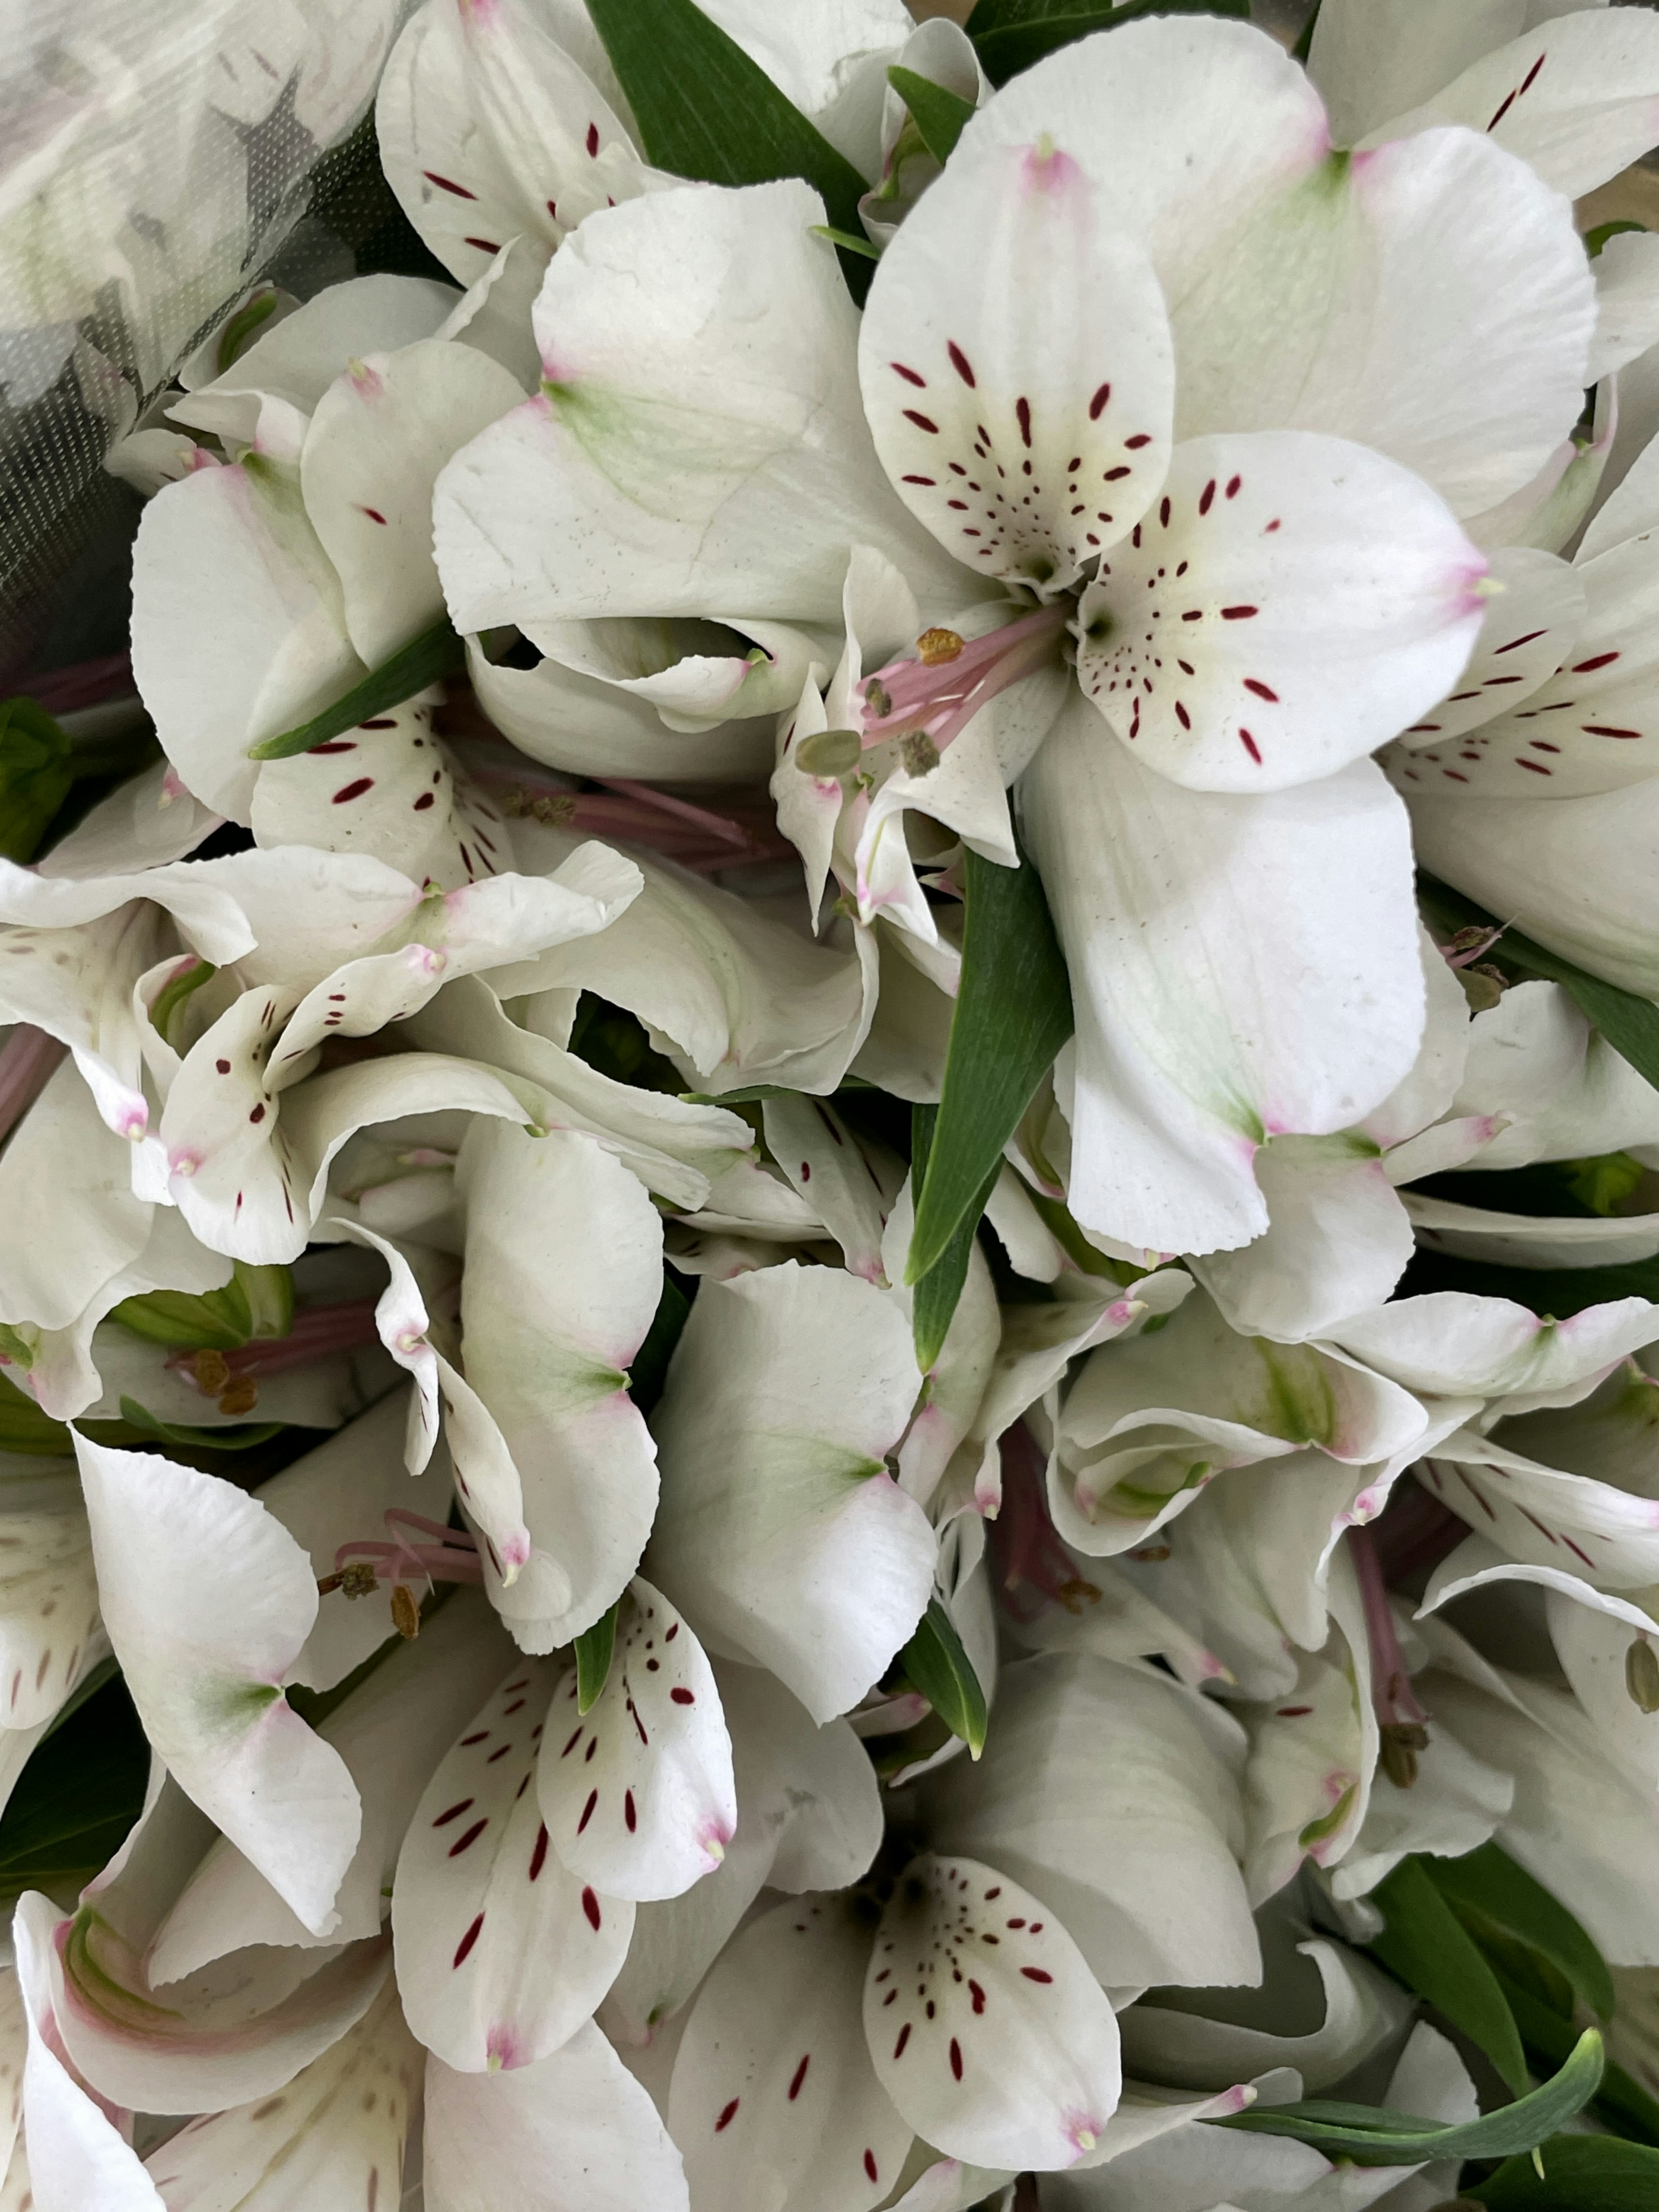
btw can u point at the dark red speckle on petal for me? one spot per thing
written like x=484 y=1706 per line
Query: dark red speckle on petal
x=484 y=244
x=258 y=1114
x=1237 y=614
x=870 y=2164
x=464 y=1841
x=798 y=2077
x=425 y=800
x=903 y=2038
x=375 y=515
x=1096 y=405
x=593 y=141
x=728 y=2113
x=629 y=1813
x=453 y=1813
x=959 y=361
x=1261 y=690
x=354 y=790
x=538 y=1856
x=468 y=1940
x=922 y=422
x=1233 y=483
x=1141 y=438
x=682 y=1697
x=445 y=184
x=911 y=375
x=1250 y=746
x=1035 y=1974
x=591 y=1907
x=955 y=2059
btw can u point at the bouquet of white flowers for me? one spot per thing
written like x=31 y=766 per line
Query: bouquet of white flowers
x=831 y=1118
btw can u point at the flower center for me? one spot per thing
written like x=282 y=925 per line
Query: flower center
x=934 y=696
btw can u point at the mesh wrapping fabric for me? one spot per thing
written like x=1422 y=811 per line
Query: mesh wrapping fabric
x=156 y=157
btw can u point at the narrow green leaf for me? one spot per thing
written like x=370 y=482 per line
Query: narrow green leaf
x=242 y=1437
x=649 y=1370
x=1582 y=2173
x=1011 y=35
x=1629 y=1023
x=1013 y=1012
x=705 y=110
x=937 y=1666
x=1426 y=1944
x=940 y=115
x=938 y=1291
x=1621 y=2101
x=435 y=653
x=35 y=776
x=593 y=1649
x=172 y=995
x=1487 y=1881
x=1378 y=2137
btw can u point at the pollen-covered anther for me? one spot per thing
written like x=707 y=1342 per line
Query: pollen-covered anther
x=918 y=752
x=405 y=1611
x=358 y=1579
x=828 y=752
x=1399 y=1745
x=936 y=645
x=210 y=1372
x=1642 y=1674
x=241 y=1396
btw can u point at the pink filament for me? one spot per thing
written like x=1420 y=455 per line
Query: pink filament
x=27 y=1059
x=1034 y=1567
x=695 y=836
x=942 y=699
x=451 y=1556
x=318 y=1331
x=1391 y=1684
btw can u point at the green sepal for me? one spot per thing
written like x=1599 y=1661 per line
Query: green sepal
x=35 y=776
x=1488 y=1885
x=934 y=1301
x=940 y=115
x=1011 y=35
x=1013 y=1012
x=593 y=1648
x=242 y=1437
x=1370 y=2136
x=1582 y=2173
x=1424 y=1943
x=436 y=652
x=706 y=111
x=937 y=1665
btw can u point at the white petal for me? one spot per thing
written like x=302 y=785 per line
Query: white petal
x=72 y=1221
x=774 y=2098
x=1312 y=597
x=1239 y=970
x=378 y=438
x=489 y=130
x=1523 y=1240
x=501 y=1953
x=1528 y=630
x=1376 y=58
x=573 y=2133
x=1626 y=300
x=208 y=1599
x=824 y=1160
x=1103 y=1789
x=698 y=446
x=48 y=1608
x=390 y=1732
x=265 y=398
x=548 y=1352
x=638 y=1795
x=77 y=985
x=1578 y=97
x=334 y=2135
x=1305 y=308
x=238 y=625
x=1456 y=1345
x=77 y=2160
x=1011 y=2061
x=1011 y=387
x=781 y=1531
x=1544 y=1517
x=1338 y=1241
x=809 y=1817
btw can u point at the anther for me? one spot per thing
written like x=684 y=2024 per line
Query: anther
x=828 y=752
x=211 y=1370
x=241 y=1397
x=405 y=1613
x=1402 y=1741
x=1642 y=1674
x=935 y=646
x=918 y=752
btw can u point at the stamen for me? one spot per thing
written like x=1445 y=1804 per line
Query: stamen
x=1033 y=1566
x=938 y=694
x=318 y=1331
x=405 y=1613
x=1642 y=1675
x=1400 y=1716
x=27 y=1058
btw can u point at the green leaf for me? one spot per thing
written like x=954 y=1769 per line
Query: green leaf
x=1011 y=35
x=1013 y=1012
x=705 y=110
x=1597 y=237
x=242 y=1437
x=936 y=1292
x=35 y=776
x=1489 y=1883
x=80 y=1790
x=1373 y=2137
x=435 y=653
x=1582 y=2173
x=937 y=1666
x=24 y=1427
x=1621 y=2101
x=1425 y=1945
x=940 y=115
x=1629 y=1023
x=593 y=1648
x=649 y=1370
